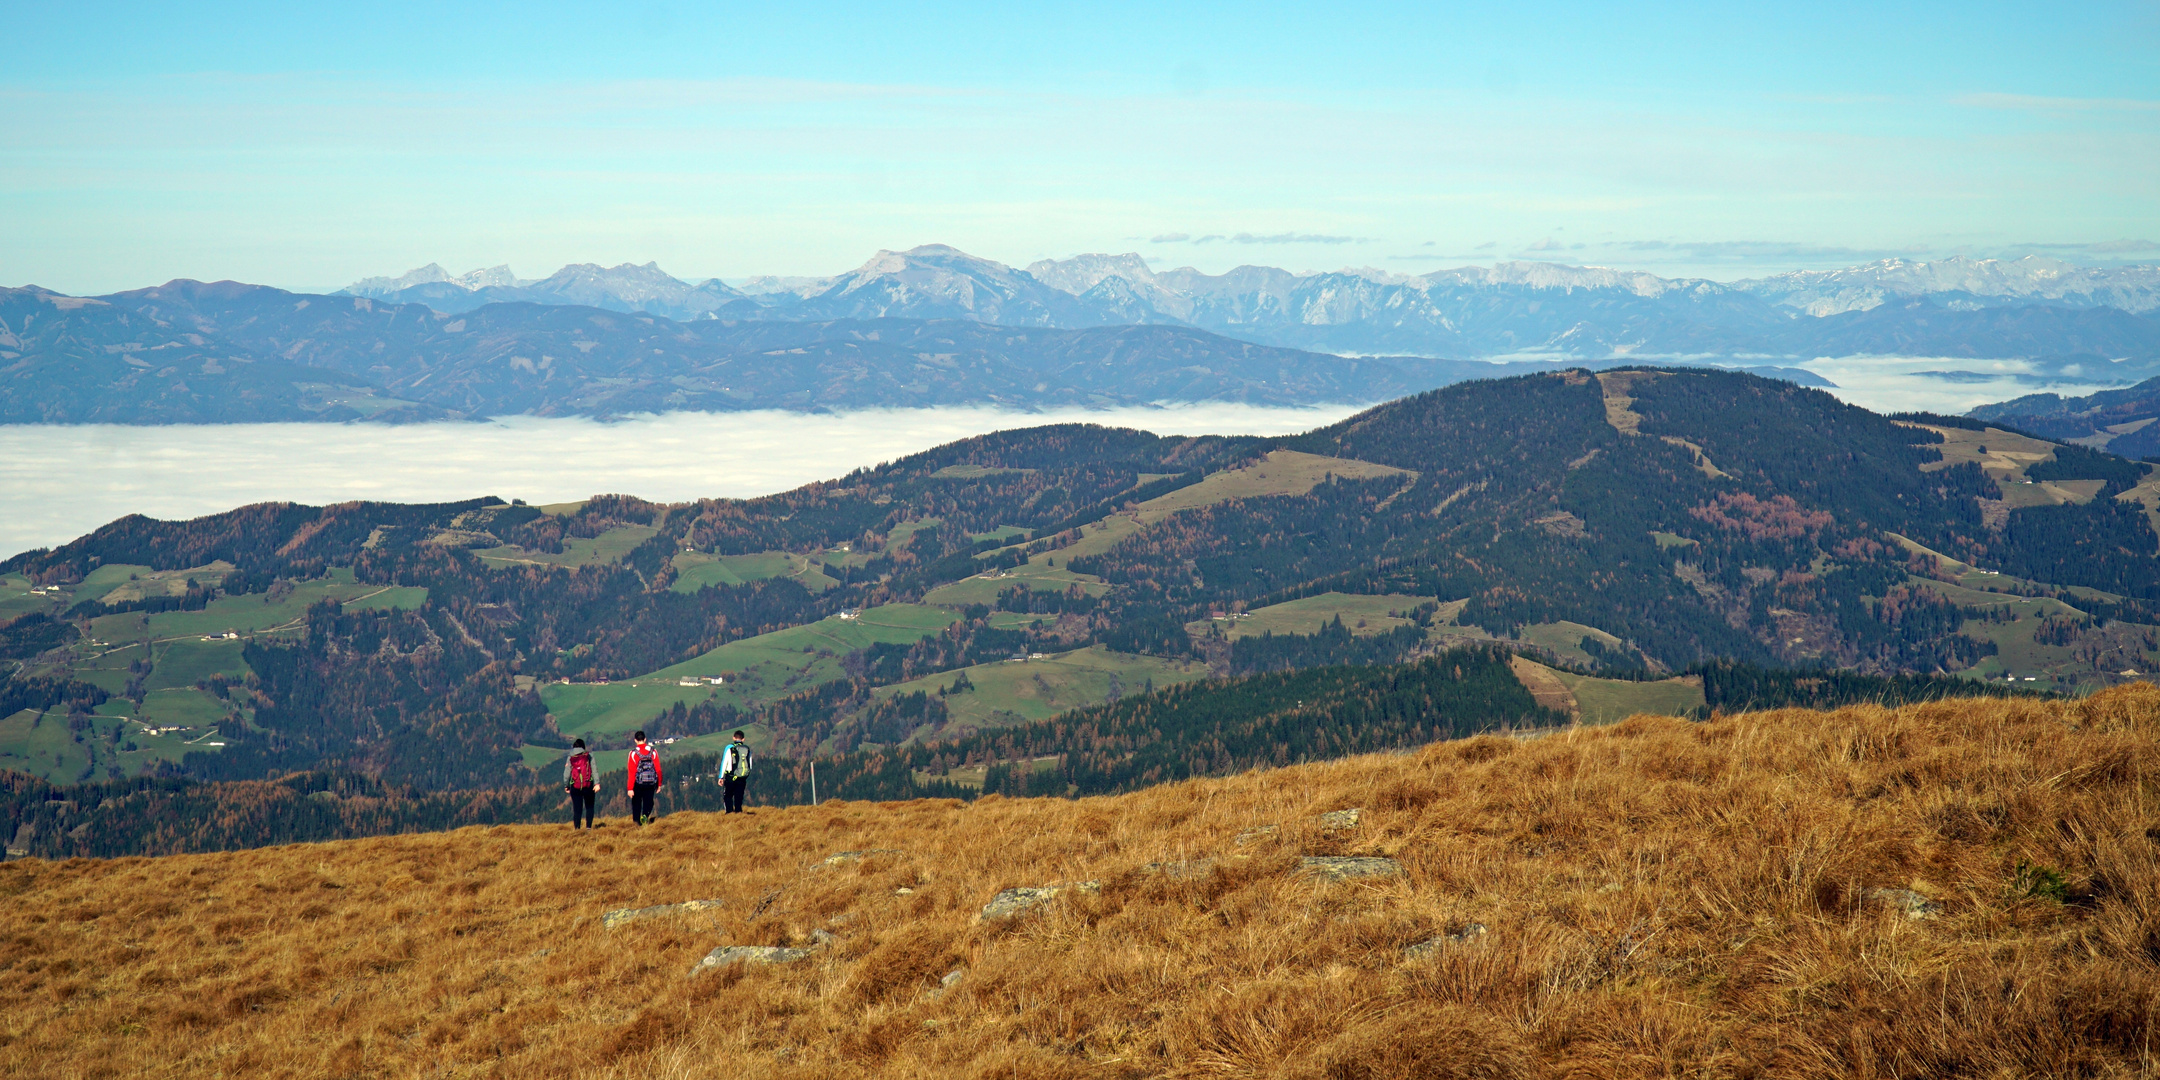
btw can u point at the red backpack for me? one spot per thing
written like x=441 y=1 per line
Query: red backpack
x=581 y=771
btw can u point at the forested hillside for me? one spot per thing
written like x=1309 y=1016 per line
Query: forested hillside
x=1635 y=523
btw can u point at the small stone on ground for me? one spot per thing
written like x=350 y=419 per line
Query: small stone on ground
x=616 y=918
x=1914 y=905
x=748 y=954
x=1022 y=899
x=1467 y=934
x=1340 y=867
x=843 y=857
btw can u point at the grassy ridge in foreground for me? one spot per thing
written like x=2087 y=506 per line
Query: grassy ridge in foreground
x=1661 y=897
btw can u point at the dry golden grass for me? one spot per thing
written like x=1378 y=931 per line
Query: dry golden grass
x=1664 y=898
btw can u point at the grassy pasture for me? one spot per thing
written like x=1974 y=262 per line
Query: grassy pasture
x=16 y=599
x=607 y=547
x=2001 y=454
x=1281 y=472
x=1036 y=689
x=1607 y=701
x=105 y=579
x=182 y=707
x=41 y=745
x=903 y=534
x=183 y=662
x=765 y=668
x=696 y=570
x=1362 y=615
x=2005 y=456
x=1564 y=639
x=253 y=613
x=984 y=588
x=973 y=472
x=149 y=584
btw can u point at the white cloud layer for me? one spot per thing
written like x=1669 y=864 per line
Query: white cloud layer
x=57 y=483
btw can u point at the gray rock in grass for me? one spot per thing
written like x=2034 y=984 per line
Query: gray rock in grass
x=1464 y=936
x=1914 y=905
x=748 y=954
x=1344 y=867
x=616 y=918
x=1023 y=899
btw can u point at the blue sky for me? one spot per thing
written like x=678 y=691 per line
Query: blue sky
x=305 y=145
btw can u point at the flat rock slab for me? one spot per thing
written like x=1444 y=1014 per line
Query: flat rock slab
x=843 y=858
x=1914 y=905
x=1464 y=936
x=1190 y=869
x=748 y=954
x=1343 y=867
x=1341 y=819
x=616 y=918
x=1023 y=899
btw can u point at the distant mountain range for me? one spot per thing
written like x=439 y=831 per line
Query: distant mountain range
x=189 y=352
x=2032 y=307
x=937 y=326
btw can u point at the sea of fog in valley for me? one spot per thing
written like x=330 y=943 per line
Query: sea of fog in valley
x=60 y=481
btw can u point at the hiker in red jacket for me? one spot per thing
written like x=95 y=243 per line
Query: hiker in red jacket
x=583 y=786
x=642 y=778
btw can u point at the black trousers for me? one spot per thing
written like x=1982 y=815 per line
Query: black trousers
x=581 y=806
x=641 y=802
x=732 y=799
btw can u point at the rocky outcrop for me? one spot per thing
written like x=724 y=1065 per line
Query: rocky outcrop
x=1914 y=905
x=616 y=918
x=1018 y=901
x=1345 y=867
x=842 y=858
x=1191 y=868
x=1429 y=946
x=1338 y=820
x=748 y=954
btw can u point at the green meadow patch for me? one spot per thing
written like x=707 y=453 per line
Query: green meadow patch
x=758 y=669
x=608 y=547
x=1014 y=691
x=696 y=570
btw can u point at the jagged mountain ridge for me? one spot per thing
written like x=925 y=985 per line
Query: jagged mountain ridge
x=626 y=288
x=219 y=352
x=1512 y=308
x=1976 y=282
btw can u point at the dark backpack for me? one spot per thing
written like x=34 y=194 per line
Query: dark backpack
x=648 y=771
x=581 y=771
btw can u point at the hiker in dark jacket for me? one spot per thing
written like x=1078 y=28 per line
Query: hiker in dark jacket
x=735 y=773
x=643 y=779
x=579 y=780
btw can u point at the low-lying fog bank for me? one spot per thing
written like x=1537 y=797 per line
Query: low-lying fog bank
x=58 y=482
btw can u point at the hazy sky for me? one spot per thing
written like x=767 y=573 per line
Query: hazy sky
x=306 y=145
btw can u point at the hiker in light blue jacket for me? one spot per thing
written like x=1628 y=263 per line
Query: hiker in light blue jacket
x=735 y=773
